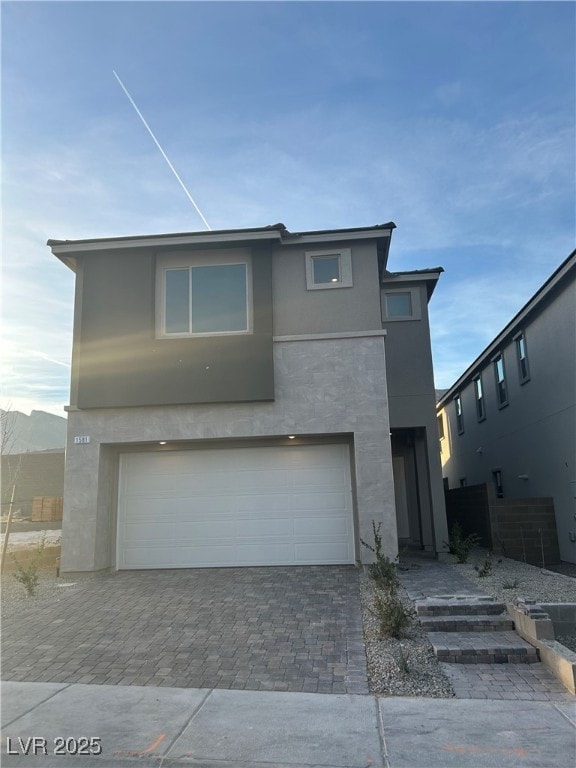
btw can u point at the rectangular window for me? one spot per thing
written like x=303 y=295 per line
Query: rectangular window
x=497 y=478
x=399 y=304
x=440 y=426
x=463 y=482
x=523 y=370
x=459 y=414
x=329 y=269
x=479 y=395
x=205 y=300
x=500 y=375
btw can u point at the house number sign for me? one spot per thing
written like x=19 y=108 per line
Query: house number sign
x=81 y=439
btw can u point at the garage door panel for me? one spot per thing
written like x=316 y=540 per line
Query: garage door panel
x=260 y=529
x=276 y=554
x=328 y=551
x=317 y=526
x=321 y=478
x=181 y=557
x=241 y=506
x=311 y=502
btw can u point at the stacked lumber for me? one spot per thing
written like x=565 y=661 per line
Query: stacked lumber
x=47 y=508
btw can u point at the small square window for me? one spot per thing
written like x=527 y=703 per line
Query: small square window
x=399 y=304
x=326 y=269
x=329 y=269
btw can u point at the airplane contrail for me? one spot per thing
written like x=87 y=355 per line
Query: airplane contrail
x=164 y=155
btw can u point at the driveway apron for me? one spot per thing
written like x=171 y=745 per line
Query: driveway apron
x=282 y=629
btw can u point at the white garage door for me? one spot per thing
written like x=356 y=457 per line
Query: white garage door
x=285 y=505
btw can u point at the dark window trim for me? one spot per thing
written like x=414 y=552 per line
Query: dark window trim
x=459 y=413
x=441 y=430
x=523 y=375
x=501 y=387
x=480 y=401
x=498 y=482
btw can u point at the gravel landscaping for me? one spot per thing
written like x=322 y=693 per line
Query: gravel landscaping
x=396 y=667
x=405 y=666
x=408 y=667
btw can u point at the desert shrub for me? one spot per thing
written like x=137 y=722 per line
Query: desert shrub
x=28 y=575
x=393 y=618
x=460 y=545
x=383 y=571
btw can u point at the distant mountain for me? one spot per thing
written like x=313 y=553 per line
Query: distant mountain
x=37 y=432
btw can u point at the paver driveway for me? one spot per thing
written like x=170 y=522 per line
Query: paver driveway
x=283 y=629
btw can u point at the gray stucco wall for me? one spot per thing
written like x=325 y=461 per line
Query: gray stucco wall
x=412 y=403
x=323 y=387
x=119 y=361
x=300 y=311
x=535 y=434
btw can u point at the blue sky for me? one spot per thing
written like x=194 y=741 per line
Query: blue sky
x=455 y=120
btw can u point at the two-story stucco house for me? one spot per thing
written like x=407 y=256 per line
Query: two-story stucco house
x=509 y=421
x=248 y=397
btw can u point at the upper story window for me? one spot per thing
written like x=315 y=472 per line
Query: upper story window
x=203 y=299
x=479 y=396
x=441 y=433
x=329 y=269
x=459 y=414
x=523 y=370
x=399 y=304
x=500 y=375
x=402 y=303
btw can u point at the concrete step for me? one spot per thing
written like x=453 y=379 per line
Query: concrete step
x=468 y=623
x=459 y=605
x=482 y=648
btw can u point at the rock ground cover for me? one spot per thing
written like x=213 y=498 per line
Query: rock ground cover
x=396 y=667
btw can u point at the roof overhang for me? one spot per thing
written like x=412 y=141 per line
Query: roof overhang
x=66 y=250
x=428 y=276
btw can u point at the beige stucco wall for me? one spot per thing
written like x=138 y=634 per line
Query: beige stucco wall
x=324 y=386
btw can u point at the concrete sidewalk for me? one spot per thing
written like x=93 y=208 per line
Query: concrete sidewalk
x=205 y=728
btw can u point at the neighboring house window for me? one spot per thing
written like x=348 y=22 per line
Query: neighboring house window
x=440 y=426
x=329 y=269
x=205 y=299
x=479 y=395
x=463 y=482
x=523 y=369
x=500 y=374
x=459 y=414
x=497 y=477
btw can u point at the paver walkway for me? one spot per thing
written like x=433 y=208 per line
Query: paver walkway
x=524 y=682
x=282 y=629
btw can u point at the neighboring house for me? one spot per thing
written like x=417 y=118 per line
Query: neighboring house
x=28 y=476
x=510 y=419
x=248 y=397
